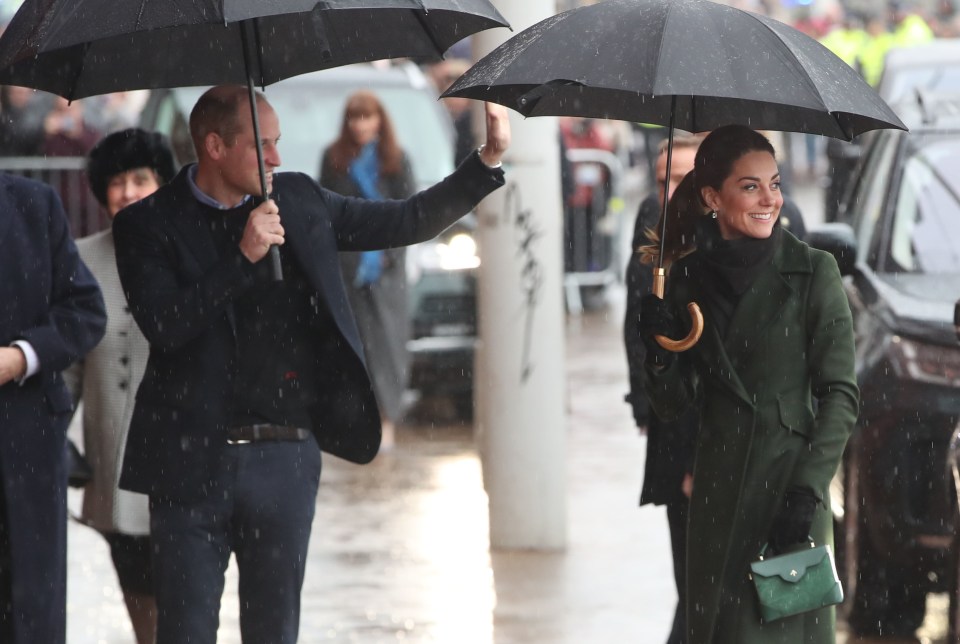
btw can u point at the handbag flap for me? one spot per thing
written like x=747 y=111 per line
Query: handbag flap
x=791 y=566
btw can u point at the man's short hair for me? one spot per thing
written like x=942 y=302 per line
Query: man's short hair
x=128 y=150
x=682 y=140
x=218 y=111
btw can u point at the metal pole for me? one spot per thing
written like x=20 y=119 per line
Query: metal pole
x=274 y=253
x=520 y=383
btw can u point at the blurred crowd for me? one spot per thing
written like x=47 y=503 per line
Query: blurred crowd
x=34 y=123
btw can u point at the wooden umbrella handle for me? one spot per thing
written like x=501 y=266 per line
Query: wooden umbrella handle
x=696 y=318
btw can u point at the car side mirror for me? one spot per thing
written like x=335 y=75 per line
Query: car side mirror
x=838 y=240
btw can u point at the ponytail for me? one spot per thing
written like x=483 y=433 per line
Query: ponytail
x=682 y=211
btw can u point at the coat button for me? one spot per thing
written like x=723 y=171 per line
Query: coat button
x=124 y=361
x=123 y=385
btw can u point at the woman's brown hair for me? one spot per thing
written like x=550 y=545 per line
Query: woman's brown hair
x=345 y=149
x=712 y=165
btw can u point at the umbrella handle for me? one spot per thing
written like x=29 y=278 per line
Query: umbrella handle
x=696 y=317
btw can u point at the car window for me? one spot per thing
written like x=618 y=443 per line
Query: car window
x=867 y=199
x=900 y=86
x=925 y=230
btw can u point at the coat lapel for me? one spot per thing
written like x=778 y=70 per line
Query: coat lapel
x=196 y=236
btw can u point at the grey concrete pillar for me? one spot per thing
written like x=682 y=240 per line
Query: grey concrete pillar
x=520 y=384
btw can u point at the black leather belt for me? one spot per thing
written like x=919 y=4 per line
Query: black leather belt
x=265 y=432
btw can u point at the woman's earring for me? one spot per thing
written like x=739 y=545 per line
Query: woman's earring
x=713 y=214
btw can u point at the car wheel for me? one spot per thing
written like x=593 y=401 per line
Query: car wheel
x=885 y=601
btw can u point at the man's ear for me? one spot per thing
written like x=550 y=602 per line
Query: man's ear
x=214 y=145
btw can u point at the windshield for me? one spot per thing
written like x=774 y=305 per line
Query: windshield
x=901 y=86
x=310 y=115
x=925 y=233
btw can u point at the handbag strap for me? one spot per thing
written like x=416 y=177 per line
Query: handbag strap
x=763 y=550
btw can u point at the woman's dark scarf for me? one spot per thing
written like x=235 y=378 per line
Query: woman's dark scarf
x=730 y=266
x=365 y=172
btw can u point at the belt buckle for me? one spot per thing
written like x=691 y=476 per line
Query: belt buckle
x=238 y=441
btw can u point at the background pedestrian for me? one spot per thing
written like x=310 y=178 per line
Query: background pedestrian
x=123 y=168
x=366 y=161
x=53 y=314
x=668 y=467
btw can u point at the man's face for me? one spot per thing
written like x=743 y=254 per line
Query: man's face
x=237 y=161
x=682 y=164
x=129 y=187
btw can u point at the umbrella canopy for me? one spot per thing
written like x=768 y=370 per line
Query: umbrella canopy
x=695 y=64
x=78 y=48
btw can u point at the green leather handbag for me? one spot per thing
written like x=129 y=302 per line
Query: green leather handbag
x=795 y=582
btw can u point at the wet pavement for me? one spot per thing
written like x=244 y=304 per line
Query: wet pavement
x=400 y=549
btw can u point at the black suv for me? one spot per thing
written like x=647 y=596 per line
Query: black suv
x=898 y=243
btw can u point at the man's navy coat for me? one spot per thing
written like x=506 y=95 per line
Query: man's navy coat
x=52 y=301
x=180 y=292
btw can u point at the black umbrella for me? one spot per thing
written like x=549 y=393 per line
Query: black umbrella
x=79 y=48
x=688 y=64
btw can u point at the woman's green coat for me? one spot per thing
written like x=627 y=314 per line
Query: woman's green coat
x=790 y=341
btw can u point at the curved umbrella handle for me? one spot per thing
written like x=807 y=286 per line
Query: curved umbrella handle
x=696 y=317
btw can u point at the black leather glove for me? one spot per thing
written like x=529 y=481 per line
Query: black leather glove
x=792 y=523
x=656 y=318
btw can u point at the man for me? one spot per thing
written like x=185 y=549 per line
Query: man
x=248 y=379
x=123 y=168
x=52 y=315
x=667 y=474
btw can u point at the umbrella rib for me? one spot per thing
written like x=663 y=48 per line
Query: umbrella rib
x=76 y=77
x=803 y=69
x=421 y=18
x=143 y=5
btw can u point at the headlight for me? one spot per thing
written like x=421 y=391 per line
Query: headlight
x=926 y=362
x=458 y=253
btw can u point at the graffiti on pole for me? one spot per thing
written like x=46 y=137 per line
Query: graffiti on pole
x=531 y=269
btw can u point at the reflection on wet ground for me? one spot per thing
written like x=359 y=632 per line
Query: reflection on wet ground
x=400 y=547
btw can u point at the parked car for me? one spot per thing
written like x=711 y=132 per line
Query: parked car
x=441 y=273
x=929 y=67
x=898 y=246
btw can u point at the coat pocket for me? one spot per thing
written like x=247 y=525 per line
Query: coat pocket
x=796 y=417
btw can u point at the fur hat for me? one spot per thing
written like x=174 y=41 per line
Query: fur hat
x=128 y=150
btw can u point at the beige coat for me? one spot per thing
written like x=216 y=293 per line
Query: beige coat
x=106 y=381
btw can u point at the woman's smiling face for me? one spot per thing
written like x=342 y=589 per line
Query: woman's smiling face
x=749 y=201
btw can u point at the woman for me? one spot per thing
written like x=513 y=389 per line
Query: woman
x=777 y=336
x=122 y=168
x=366 y=161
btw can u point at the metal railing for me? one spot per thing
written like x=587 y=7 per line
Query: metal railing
x=67 y=175
x=592 y=252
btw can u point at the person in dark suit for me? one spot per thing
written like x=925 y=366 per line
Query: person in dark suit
x=53 y=314
x=668 y=465
x=248 y=379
